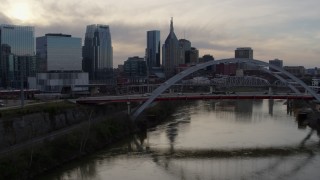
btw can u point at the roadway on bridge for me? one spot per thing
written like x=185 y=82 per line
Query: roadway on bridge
x=191 y=96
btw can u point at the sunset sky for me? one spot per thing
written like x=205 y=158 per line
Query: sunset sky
x=283 y=29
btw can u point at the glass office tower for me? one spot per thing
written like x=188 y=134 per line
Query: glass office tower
x=16 y=54
x=58 y=52
x=19 y=38
x=153 y=49
x=97 y=51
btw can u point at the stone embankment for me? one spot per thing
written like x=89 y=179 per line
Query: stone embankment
x=38 y=138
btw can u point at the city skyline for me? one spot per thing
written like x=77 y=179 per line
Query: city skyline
x=288 y=30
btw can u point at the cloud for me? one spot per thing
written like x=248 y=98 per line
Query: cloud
x=285 y=29
x=4 y=19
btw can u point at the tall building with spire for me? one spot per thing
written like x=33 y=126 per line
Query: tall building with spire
x=97 y=51
x=153 y=49
x=170 y=53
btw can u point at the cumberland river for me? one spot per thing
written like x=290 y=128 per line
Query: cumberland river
x=256 y=139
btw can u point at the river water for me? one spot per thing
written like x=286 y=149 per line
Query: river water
x=244 y=139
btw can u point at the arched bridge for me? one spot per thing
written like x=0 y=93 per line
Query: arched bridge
x=197 y=67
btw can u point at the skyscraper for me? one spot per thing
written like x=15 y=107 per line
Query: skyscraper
x=185 y=46
x=170 y=53
x=135 y=69
x=19 y=38
x=16 y=55
x=97 y=51
x=58 y=52
x=244 y=52
x=192 y=56
x=153 y=49
x=276 y=62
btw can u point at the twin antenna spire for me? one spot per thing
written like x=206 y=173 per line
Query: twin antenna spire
x=171 y=25
x=171 y=28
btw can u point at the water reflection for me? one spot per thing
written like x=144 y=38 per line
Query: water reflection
x=314 y=125
x=270 y=103
x=212 y=140
x=180 y=118
x=197 y=163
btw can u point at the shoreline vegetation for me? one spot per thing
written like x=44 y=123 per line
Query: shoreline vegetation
x=104 y=126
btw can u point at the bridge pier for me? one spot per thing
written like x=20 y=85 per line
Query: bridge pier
x=129 y=107
x=211 y=89
x=270 y=91
x=270 y=104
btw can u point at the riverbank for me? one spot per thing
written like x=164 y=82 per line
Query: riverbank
x=96 y=128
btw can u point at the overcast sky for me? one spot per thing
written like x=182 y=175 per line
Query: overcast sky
x=283 y=29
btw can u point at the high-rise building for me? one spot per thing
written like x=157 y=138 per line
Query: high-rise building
x=97 y=51
x=206 y=58
x=135 y=69
x=299 y=71
x=153 y=49
x=185 y=46
x=192 y=56
x=58 y=52
x=5 y=64
x=276 y=62
x=170 y=53
x=19 y=38
x=244 y=52
x=17 y=60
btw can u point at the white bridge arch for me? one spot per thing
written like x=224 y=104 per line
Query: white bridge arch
x=197 y=67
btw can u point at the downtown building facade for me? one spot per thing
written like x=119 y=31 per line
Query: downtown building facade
x=59 y=64
x=97 y=52
x=58 y=52
x=17 y=59
x=192 y=56
x=135 y=69
x=276 y=62
x=153 y=49
x=244 y=53
x=184 y=48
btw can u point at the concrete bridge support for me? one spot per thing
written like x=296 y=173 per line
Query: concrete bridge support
x=129 y=107
x=211 y=89
x=270 y=104
x=270 y=91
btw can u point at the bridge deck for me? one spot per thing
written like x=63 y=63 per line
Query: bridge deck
x=139 y=98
